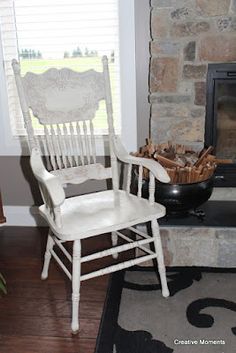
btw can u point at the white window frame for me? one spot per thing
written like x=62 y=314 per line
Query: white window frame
x=14 y=145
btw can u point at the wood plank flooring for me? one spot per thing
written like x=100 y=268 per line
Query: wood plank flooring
x=35 y=314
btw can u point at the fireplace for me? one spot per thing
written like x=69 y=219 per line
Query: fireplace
x=220 y=123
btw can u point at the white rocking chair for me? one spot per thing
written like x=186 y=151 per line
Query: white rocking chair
x=65 y=102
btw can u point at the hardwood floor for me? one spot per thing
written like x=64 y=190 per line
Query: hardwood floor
x=35 y=314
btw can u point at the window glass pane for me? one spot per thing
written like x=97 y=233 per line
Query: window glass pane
x=226 y=120
x=60 y=33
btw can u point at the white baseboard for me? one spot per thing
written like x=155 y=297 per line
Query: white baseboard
x=23 y=216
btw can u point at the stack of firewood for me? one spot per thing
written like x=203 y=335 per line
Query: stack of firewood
x=181 y=163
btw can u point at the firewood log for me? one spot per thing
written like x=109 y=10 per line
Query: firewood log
x=204 y=155
x=183 y=165
x=165 y=161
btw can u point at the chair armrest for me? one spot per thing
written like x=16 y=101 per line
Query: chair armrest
x=156 y=168
x=50 y=182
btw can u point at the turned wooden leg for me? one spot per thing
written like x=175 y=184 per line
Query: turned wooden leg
x=160 y=260
x=47 y=256
x=76 y=285
x=114 y=240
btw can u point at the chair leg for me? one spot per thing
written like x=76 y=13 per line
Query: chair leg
x=114 y=240
x=76 y=285
x=160 y=260
x=47 y=256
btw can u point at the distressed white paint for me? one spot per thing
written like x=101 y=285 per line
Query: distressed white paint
x=80 y=217
x=65 y=103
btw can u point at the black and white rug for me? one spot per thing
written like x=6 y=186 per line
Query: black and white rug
x=198 y=317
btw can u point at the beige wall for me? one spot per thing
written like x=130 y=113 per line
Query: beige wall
x=19 y=187
x=15 y=175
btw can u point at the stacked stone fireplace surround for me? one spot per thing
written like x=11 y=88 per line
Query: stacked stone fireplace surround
x=187 y=35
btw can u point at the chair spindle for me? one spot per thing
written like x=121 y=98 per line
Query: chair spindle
x=93 y=147
x=129 y=177
x=140 y=180
x=61 y=142
x=50 y=148
x=80 y=142
x=151 y=188
x=86 y=139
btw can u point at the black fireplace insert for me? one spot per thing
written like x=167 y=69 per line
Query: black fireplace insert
x=220 y=123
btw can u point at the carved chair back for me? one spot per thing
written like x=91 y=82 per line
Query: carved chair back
x=65 y=103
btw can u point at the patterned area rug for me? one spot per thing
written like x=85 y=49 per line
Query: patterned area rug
x=198 y=317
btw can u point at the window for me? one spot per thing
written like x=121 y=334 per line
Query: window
x=59 y=33
x=131 y=13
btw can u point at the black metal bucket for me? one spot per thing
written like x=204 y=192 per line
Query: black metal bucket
x=179 y=199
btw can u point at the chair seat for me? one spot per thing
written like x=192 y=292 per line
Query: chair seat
x=93 y=214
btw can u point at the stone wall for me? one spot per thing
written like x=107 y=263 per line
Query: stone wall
x=186 y=36
x=197 y=246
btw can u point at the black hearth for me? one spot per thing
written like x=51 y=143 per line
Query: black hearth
x=220 y=126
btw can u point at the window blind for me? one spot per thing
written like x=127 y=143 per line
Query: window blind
x=59 y=33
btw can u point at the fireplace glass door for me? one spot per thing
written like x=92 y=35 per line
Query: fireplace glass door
x=220 y=124
x=225 y=119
